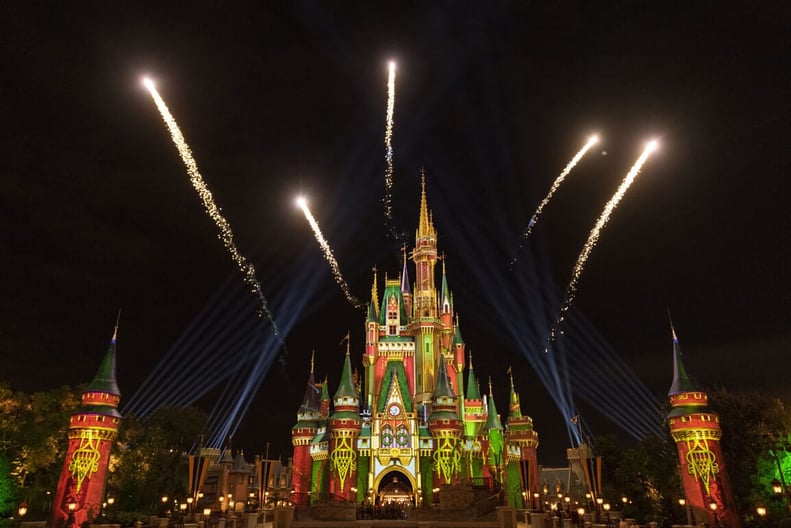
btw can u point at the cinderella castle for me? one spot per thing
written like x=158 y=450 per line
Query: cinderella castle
x=415 y=422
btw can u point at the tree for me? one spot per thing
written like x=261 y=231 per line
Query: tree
x=150 y=459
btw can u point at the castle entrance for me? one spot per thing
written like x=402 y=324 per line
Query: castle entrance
x=395 y=488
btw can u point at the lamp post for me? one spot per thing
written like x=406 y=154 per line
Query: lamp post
x=606 y=507
x=683 y=503
x=713 y=507
x=21 y=512
x=72 y=507
x=537 y=505
x=164 y=500
x=581 y=514
x=761 y=511
x=599 y=502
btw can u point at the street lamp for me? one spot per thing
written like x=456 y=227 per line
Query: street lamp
x=164 y=500
x=606 y=507
x=581 y=513
x=761 y=511
x=21 y=511
x=713 y=507
x=72 y=507
x=599 y=502
x=536 y=495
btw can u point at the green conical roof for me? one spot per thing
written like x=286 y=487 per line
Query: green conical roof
x=104 y=381
x=346 y=387
x=492 y=419
x=473 y=392
x=445 y=295
x=443 y=387
x=681 y=380
x=457 y=340
x=371 y=313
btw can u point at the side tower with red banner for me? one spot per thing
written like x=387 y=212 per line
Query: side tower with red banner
x=92 y=430
x=696 y=431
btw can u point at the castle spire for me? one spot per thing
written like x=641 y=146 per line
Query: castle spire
x=374 y=295
x=424 y=223
x=681 y=380
x=493 y=419
x=104 y=380
x=405 y=288
x=473 y=392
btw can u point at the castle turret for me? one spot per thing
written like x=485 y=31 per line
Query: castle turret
x=696 y=431
x=92 y=430
x=445 y=427
x=494 y=442
x=425 y=320
x=308 y=418
x=345 y=425
x=522 y=460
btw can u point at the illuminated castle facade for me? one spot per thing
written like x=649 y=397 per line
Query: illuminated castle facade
x=696 y=431
x=410 y=426
x=92 y=430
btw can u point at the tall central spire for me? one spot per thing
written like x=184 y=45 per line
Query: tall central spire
x=425 y=227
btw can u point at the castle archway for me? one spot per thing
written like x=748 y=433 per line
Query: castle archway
x=395 y=486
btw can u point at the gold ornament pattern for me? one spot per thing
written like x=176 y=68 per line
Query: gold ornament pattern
x=447 y=459
x=701 y=462
x=85 y=459
x=343 y=459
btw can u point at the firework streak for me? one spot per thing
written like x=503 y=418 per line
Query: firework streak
x=327 y=250
x=593 y=237
x=388 y=199
x=226 y=235
x=562 y=176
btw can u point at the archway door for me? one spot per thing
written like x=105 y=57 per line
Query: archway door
x=395 y=487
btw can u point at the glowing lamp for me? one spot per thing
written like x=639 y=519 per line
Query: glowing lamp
x=567 y=499
x=713 y=506
x=776 y=487
x=624 y=499
x=190 y=500
x=682 y=502
x=535 y=495
x=164 y=499
x=606 y=506
x=206 y=512
x=183 y=506
x=110 y=500
x=599 y=501
x=761 y=511
x=581 y=511
x=72 y=506
x=22 y=510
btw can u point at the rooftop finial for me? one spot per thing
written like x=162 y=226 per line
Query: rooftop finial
x=672 y=328
x=117 y=321
x=490 y=385
x=511 y=375
x=312 y=358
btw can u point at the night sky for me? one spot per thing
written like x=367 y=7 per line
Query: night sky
x=492 y=99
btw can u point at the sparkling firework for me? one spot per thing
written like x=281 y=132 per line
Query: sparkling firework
x=562 y=176
x=226 y=235
x=388 y=199
x=325 y=248
x=593 y=237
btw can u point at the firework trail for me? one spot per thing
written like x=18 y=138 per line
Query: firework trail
x=562 y=176
x=325 y=248
x=226 y=235
x=593 y=237
x=388 y=199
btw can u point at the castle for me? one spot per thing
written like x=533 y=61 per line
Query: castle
x=410 y=427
